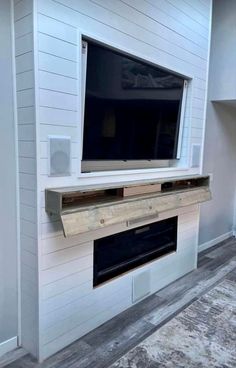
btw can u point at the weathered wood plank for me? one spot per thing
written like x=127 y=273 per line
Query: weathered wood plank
x=107 y=214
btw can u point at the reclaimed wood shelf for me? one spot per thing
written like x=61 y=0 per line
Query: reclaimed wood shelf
x=88 y=208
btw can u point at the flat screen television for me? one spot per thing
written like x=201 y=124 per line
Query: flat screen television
x=132 y=108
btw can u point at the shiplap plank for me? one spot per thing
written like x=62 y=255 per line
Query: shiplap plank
x=58 y=117
x=57 y=83
x=27 y=197
x=26 y=149
x=28 y=228
x=26 y=132
x=57 y=29
x=25 y=80
x=201 y=7
x=59 y=100
x=98 y=12
x=166 y=15
x=69 y=131
x=29 y=258
x=117 y=22
x=186 y=16
x=62 y=300
x=75 y=307
x=89 y=309
x=28 y=301
x=63 y=287
x=29 y=273
x=23 y=25
x=54 y=46
x=24 y=44
x=26 y=115
x=27 y=165
x=27 y=181
x=196 y=123
x=196 y=132
x=25 y=98
x=70 y=336
x=159 y=15
x=198 y=103
x=194 y=12
x=66 y=255
x=28 y=213
x=115 y=36
x=67 y=290
x=200 y=83
x=57 y=65
x=133 y=15
x=28 y=244
x=22 y=9
x=58 y=272
x=24 y=62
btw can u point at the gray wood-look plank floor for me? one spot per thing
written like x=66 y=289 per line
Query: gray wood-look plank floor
x=103 y=346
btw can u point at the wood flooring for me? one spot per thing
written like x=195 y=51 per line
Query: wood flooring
x=202 y=335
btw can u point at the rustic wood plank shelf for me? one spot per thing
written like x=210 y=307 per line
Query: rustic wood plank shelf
x=83 y=209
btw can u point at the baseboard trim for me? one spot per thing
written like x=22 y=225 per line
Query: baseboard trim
x=8 y=345
x=215 y=241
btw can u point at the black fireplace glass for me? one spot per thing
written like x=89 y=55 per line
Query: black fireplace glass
x=122 y=252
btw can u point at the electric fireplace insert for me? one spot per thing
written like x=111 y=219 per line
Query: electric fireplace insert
x=122 y=252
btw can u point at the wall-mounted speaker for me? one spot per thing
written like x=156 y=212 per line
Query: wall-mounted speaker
x=59 y=156
x=141 y=286
x=196 y=155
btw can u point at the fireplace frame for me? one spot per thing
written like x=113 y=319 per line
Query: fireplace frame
x=152 y=241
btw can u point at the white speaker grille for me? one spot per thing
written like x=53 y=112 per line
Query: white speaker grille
x=59 y=156
x=196 y=155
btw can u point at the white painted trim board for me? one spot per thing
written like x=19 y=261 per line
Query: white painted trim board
x=17 y=175
x=8 y=345
x=215 y=241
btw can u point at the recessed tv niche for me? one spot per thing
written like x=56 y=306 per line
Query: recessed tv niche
x=132 y=108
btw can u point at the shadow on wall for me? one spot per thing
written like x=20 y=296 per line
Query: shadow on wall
x=216 y=216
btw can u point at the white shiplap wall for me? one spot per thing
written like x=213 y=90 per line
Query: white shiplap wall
x=25 y=91
x=173 y=34
x=57 y=272
x=70 y=305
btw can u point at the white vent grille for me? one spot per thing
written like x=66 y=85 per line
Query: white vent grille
x=59 y=156
x=141 y=286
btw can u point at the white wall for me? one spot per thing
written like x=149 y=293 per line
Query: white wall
x=8 y=232
x=216 y=218
x=223 y=54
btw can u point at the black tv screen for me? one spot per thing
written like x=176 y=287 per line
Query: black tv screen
x=132 y=108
